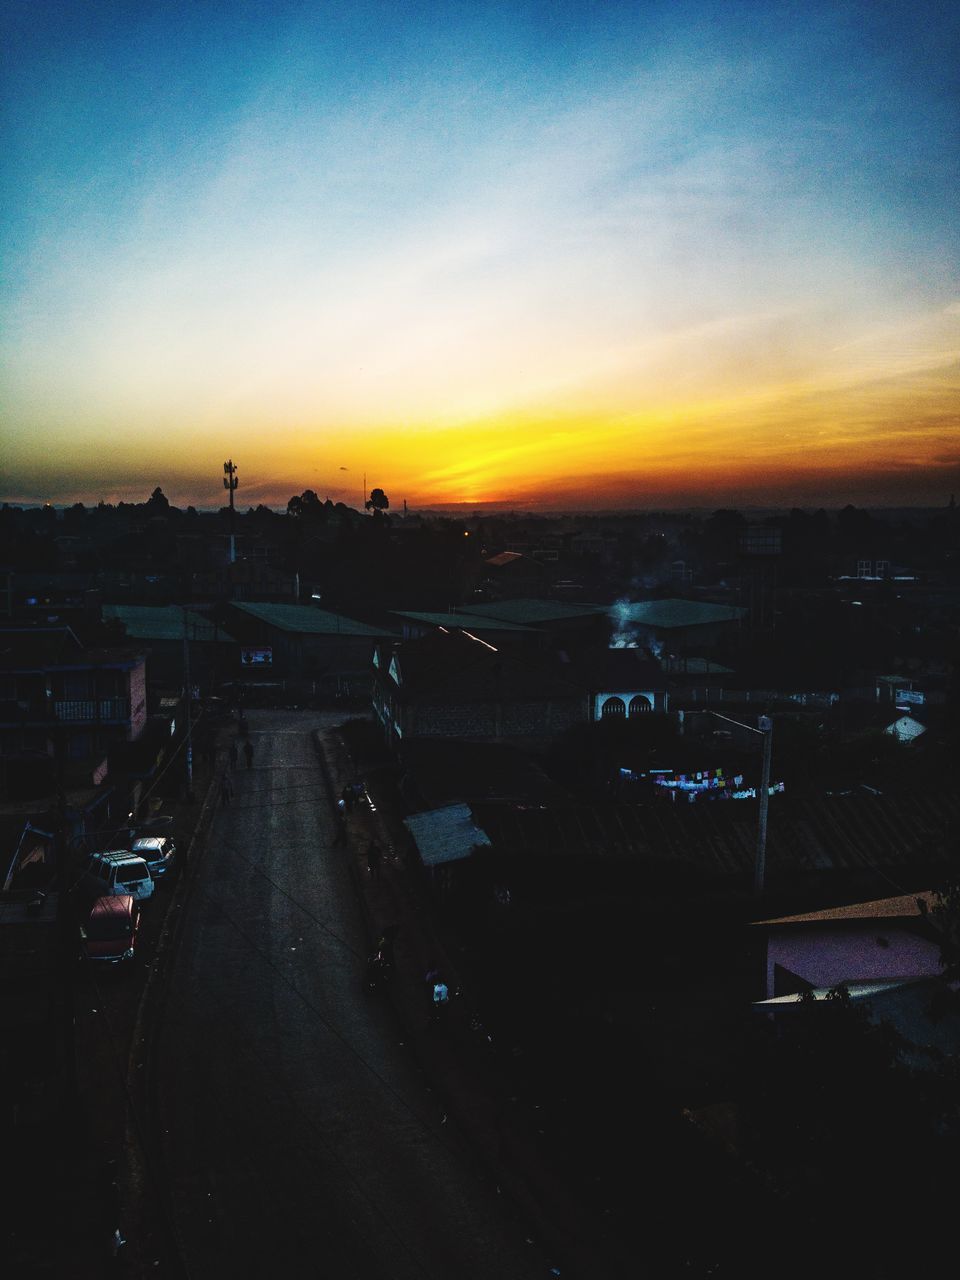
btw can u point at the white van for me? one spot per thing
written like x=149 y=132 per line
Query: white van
x=117 y=871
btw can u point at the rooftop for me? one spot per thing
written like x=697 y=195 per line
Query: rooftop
x=458 y=666
x=306 y=620
x=162 y=622
x=675 y=613
x=904 y=906
x=445 y=835
x=530 y=611
x=454 y=621
x=668 y=614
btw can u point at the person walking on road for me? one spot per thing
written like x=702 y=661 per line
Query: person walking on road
x=234 y=754
x=441 y=997
x=341 y=821
x=226 y=790
x=374 y=854
x=248 y=752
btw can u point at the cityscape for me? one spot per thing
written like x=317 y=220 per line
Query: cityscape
x=479 y=643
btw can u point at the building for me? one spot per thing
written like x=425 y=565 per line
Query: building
x=621 y=683
x=167 y=632
x=455 y=685
x=672 y=627
x=563 y=625
x=496 y=631
x=300 y=641
x=67 y=704
x=886 y=939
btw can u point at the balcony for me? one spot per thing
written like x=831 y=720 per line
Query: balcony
x=43 y=712
x=92 y=711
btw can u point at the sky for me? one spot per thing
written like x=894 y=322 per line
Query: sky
x=556 y=255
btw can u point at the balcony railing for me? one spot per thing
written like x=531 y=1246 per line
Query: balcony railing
x=96 y=710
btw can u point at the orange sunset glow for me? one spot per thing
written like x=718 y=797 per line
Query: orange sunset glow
x=599 y=274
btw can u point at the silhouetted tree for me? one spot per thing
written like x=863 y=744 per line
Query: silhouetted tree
x=378 y=502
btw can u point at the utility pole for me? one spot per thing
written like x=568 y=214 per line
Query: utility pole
x=765 y=726
x=765 y=730
x=230 y=483
x=188 y=700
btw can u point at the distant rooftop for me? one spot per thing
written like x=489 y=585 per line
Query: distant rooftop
x=459 y=621
x=307 y=620
x=162 y=622
x=47 y=648
x=445 y=835
x=529 y=612
x=668 y=614
x=695 y=667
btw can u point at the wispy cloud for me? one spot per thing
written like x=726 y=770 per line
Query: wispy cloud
x=682 y=245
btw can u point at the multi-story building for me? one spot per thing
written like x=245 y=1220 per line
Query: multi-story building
x=66 y=703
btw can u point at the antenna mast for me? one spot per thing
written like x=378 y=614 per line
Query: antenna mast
x=230 y=483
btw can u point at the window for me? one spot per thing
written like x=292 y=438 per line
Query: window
x=640 y=704
x=614 y=707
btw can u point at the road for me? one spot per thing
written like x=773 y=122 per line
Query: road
x=299 y=1138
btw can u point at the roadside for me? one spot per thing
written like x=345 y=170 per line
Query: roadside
x=457 y=1056
x=112 y=1184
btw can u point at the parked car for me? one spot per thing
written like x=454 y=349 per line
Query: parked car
x=153 y=826
x=117 y=871
x=110 y=933
x=158 y=852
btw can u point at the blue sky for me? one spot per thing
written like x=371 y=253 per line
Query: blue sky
x=533 y=238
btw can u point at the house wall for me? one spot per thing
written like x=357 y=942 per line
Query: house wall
x=138 y=701
x=492 y=719
x=656 y=697
x=694 y=640
x=825 y=957
x=308 y=654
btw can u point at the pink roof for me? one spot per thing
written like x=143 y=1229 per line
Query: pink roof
x=904 y=906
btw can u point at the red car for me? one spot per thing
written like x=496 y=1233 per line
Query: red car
x=110 y=934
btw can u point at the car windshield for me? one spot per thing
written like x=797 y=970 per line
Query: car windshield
x=106 y=928
x=127 y=874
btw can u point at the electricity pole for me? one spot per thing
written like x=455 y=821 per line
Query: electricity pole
x=230 y=483
x=765 y=726
x=188 y=701
x=765 y=730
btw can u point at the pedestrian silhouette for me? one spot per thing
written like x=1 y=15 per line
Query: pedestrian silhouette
x=440 y=998
x=373 y=859
x=226 y=790
x=248 y=752
x=234 y=755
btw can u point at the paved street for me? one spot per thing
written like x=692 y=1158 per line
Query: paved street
x=299 y=1137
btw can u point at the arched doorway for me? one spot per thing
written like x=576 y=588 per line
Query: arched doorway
x=640 y=703
x=614 y=707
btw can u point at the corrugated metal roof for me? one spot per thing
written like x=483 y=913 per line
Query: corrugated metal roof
x=504 y=558
x=162 y=622
x=675 y=613
x=456 y=667
x=829 y=834
x=902 y=907
x=445 y=835
x=308 y=621
x=455 y=621
x=531 y=611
